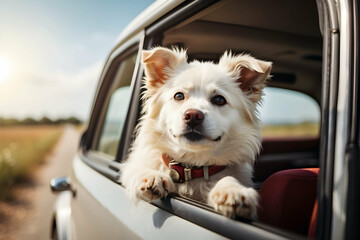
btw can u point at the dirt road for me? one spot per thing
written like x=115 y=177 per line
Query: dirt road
x=28 y=215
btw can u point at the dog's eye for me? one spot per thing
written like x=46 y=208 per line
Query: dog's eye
x=218 y=100
x=179 y=96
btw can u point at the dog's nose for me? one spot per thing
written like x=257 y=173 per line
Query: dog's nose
x=193 y=117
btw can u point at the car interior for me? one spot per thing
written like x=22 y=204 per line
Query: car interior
x=288 y=34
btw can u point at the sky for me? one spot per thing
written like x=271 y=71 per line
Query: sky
x=280 y=106
x=52 y=53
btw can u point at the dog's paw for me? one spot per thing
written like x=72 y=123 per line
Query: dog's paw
x=232 y=199
x=153 y=185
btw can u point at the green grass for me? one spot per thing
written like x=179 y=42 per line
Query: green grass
x=21 y=149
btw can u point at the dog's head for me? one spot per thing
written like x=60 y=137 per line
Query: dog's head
x=202 y=112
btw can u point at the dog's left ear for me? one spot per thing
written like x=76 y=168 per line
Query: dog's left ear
x=249 y=72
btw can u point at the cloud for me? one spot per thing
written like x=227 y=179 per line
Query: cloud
x=38 y=94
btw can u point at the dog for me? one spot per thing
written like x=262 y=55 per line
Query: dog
x=199 y=131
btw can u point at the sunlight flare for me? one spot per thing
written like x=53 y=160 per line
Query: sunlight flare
x=5 y=68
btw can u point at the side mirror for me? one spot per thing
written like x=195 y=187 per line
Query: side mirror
x=61 y=184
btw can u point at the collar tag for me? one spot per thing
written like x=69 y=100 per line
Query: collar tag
x=174 y=174
x=187 y=174
x=206 y=173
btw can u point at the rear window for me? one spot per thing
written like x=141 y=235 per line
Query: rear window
x=289 y=114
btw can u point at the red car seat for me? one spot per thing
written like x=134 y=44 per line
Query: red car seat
x=313 y=222
x=287 y=200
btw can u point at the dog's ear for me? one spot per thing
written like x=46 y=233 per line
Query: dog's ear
x=249 y=72
x=160 y=63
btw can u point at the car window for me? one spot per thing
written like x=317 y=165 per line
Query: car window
x=117 y=107
x=289 y=114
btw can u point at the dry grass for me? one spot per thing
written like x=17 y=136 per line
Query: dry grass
x=21 y=148
x=291 y=130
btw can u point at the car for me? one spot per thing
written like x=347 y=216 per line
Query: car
x=307 y=172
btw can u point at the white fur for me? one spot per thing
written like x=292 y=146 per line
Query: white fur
x=160 y=130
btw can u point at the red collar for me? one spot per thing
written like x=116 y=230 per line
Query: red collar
x=180 y=173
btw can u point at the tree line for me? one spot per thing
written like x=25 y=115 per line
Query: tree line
x=42 y=121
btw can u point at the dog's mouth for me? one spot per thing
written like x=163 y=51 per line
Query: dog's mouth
x=195 y=136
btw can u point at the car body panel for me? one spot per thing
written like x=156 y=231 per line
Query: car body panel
x=97 y=197
x=62 y=216
x=155 y=11
x=343 y=122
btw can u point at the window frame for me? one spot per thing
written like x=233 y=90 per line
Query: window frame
x=97 y=141
x=106 y=100
x=330 y=30
x=101 y=162
x=353 y=197
x=345 y=145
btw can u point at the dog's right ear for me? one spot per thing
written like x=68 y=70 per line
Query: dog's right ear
x=250 y=73
x=160 y=63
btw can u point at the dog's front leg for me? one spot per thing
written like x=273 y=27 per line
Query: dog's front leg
x=149 y=185
x=231 y=198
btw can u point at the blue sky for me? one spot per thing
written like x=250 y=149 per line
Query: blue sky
x=54 y=51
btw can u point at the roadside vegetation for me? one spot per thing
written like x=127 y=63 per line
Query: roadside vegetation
x=305 y=129
x=43 y=121
x=23 y=145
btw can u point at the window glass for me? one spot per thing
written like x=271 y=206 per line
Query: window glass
x=287 y=113
x=117 y=109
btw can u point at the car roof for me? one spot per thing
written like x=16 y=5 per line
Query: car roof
x=155 y=11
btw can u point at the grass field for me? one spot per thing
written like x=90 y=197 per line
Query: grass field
x=291 y=130
x=22 y=148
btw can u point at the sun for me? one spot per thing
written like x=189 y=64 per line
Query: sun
x=5 y=68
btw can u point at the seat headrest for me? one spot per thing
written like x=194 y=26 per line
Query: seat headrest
x=287 y=199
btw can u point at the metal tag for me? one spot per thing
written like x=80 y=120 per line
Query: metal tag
x=187 y=174
x=206 y=173
x=174 y=175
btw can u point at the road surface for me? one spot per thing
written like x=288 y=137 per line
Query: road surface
x=28 y=216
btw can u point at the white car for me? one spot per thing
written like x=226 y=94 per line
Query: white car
x=308 y=179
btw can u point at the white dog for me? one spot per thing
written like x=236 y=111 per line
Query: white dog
x=199 y=134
